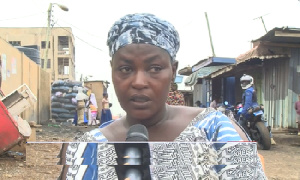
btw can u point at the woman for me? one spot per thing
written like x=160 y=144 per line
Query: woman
x=80 y=97
x=92 y=109
x=175 y=97
x=106 y=113
x=143 y=50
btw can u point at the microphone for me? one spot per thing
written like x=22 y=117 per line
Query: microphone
x=137 y=132
x=134 y=152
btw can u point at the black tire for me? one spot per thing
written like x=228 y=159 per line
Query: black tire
x=265 y=140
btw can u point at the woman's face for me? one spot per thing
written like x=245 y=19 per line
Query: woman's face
x=174 y=87
x=141 y=74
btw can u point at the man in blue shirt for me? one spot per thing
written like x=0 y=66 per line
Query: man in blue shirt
x=250 y=101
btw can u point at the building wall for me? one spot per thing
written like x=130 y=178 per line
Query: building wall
x=18 y=69
x=198 y=94
x=34 y=36
x=275 y=87
x=294 y=84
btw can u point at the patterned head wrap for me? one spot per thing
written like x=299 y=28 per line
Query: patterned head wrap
x=144 y=29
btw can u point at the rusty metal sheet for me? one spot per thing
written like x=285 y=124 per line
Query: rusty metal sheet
x=264 y=52
x=9 y=133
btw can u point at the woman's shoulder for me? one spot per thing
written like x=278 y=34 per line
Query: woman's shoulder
x=97 y=135
x=218 y=126
x=186 y=110
x=94 y=135
x=114 y=130
x=184 y=113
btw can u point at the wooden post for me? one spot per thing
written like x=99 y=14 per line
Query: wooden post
x=211 y=43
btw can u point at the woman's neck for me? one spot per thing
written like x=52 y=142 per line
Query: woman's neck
x=154 y=120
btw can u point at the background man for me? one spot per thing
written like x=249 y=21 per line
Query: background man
x=199 y=104
x=297 y=108
x=250 y=101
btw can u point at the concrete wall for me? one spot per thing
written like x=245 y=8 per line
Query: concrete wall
x=44 y=96
x=18 y=69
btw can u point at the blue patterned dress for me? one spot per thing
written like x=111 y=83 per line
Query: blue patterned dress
x=205 y=142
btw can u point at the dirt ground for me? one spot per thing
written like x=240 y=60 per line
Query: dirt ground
x=282 y=162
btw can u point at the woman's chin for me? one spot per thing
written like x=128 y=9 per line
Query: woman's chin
x=140 y=114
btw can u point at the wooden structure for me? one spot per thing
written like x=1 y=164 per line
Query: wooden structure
x=98 y=88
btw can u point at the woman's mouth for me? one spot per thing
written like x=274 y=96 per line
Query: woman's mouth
x=139 y=98
x=139 y=101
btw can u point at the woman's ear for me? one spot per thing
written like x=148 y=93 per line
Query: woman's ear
x=174 y=69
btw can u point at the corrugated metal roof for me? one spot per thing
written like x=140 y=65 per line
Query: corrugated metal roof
x=281 y=35
x=222 y=70
x=264 y=52
x=213 y=61
x=185 y=71
x=201 y=73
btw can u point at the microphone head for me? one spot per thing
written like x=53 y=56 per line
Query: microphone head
x=137 y=132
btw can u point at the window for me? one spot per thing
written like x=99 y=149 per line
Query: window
x=63 y=66
x=48 y=63
x=15 y=43
x=42 y=63
x=43 y=44
x=63 y=43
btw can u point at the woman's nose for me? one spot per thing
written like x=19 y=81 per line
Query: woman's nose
x=140 y=80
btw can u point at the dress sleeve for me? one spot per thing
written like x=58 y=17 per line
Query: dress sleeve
x=218 y=127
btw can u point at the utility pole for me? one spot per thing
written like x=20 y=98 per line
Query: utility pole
x=211 y=43
x=62 y=7
x=262 y=20
x=47 y=36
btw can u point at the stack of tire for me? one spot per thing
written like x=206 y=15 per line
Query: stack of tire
x=63 y=102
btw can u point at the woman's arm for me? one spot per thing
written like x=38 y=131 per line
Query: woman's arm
x=239 y=131
x=103 y=105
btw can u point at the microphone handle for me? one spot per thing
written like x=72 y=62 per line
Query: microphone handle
x=133 y=174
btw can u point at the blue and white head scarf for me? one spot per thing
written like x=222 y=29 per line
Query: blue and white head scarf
x=143 y=29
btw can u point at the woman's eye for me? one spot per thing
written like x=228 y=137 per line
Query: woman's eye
x=155 y=69
x=125 y=69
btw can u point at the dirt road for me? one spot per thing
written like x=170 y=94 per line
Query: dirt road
x=282 y=162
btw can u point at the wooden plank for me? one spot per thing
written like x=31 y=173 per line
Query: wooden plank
x=19 y=107
x=286 y=34
x=281 y=44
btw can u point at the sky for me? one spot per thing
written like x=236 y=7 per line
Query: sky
x=233 y=24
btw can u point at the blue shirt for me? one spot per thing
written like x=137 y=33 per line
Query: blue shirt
x=248 y=100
